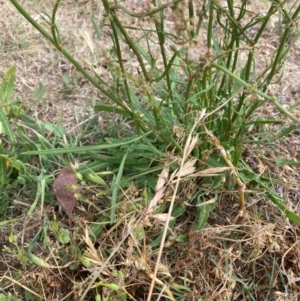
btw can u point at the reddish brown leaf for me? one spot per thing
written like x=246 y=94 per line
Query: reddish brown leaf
x=65 y=189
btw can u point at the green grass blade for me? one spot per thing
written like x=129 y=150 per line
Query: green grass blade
x=33 y=258
x=3 y=173
x=82 y=149
x=285 y=132
x=110 y=109
x=7 y=86
x=279 y=203
x=261 y=122
x=115 y=186
x=96 y=28
x=5 y=127
x=204 y=212
x=249 y=175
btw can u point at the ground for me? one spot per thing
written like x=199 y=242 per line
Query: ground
x=257 y=253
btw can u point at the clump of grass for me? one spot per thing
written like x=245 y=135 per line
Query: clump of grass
x=185 y=99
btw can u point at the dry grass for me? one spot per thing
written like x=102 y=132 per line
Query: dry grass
x=258 y=254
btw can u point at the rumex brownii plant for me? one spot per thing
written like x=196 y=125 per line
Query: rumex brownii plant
x=190 y=93
x=208 y=62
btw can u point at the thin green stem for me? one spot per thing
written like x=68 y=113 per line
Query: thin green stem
x=210 y=25
x=278 y=58
x=146 y=14
x=252 y=89
x=191 y=19
x=54 y=30
x=129 y=41
x=296 y=13
x=161 y=38
x=187 y=95
x=123 y=75
x=234 y=23
x=266 y=19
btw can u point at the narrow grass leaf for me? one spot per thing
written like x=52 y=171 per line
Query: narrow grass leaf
x=96 y=28
x=33 y=258
x=81 y=149
x=43 y=187
x=262 y=122
x=57 y=129
x=281 y=161
x=97 y=227
x=5 y=127
x=7 y=86
x=275 y=198
x=285 y=132
x=3 y=173
x=11 y=221
x=167 y=70
x=30 y=122
x=34 y=204
x=203 y=214
x=295 y=105
x=144 y=53
x=39 y=92
x=110 y=109
x=115 y=186
x=92 y=176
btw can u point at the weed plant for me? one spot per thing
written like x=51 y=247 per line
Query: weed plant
x=187 y=99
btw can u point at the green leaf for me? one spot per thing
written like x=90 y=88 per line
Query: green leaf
x=274 y=197
x=280 y=161
x=285 y=132
x=81 y=149
x=4 y=203
x=110 y=109
x=10 y=222
x=98 y=226
x=7 y=86
x=182 y=238
x=92 y=176
x=111 y=286
x=204 y=211
x=3 y=173
x=64 y=236
x=5 y=127
x=39 y=92
x=58 y=130
x=33 y=258
x=96 y=28
x=295 y=105
x=115 y=186
x=9 y=297
x=261 y=122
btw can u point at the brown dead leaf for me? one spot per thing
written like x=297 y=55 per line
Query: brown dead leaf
x=65 y=188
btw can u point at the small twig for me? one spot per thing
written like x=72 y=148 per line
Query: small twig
x=147 y=13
